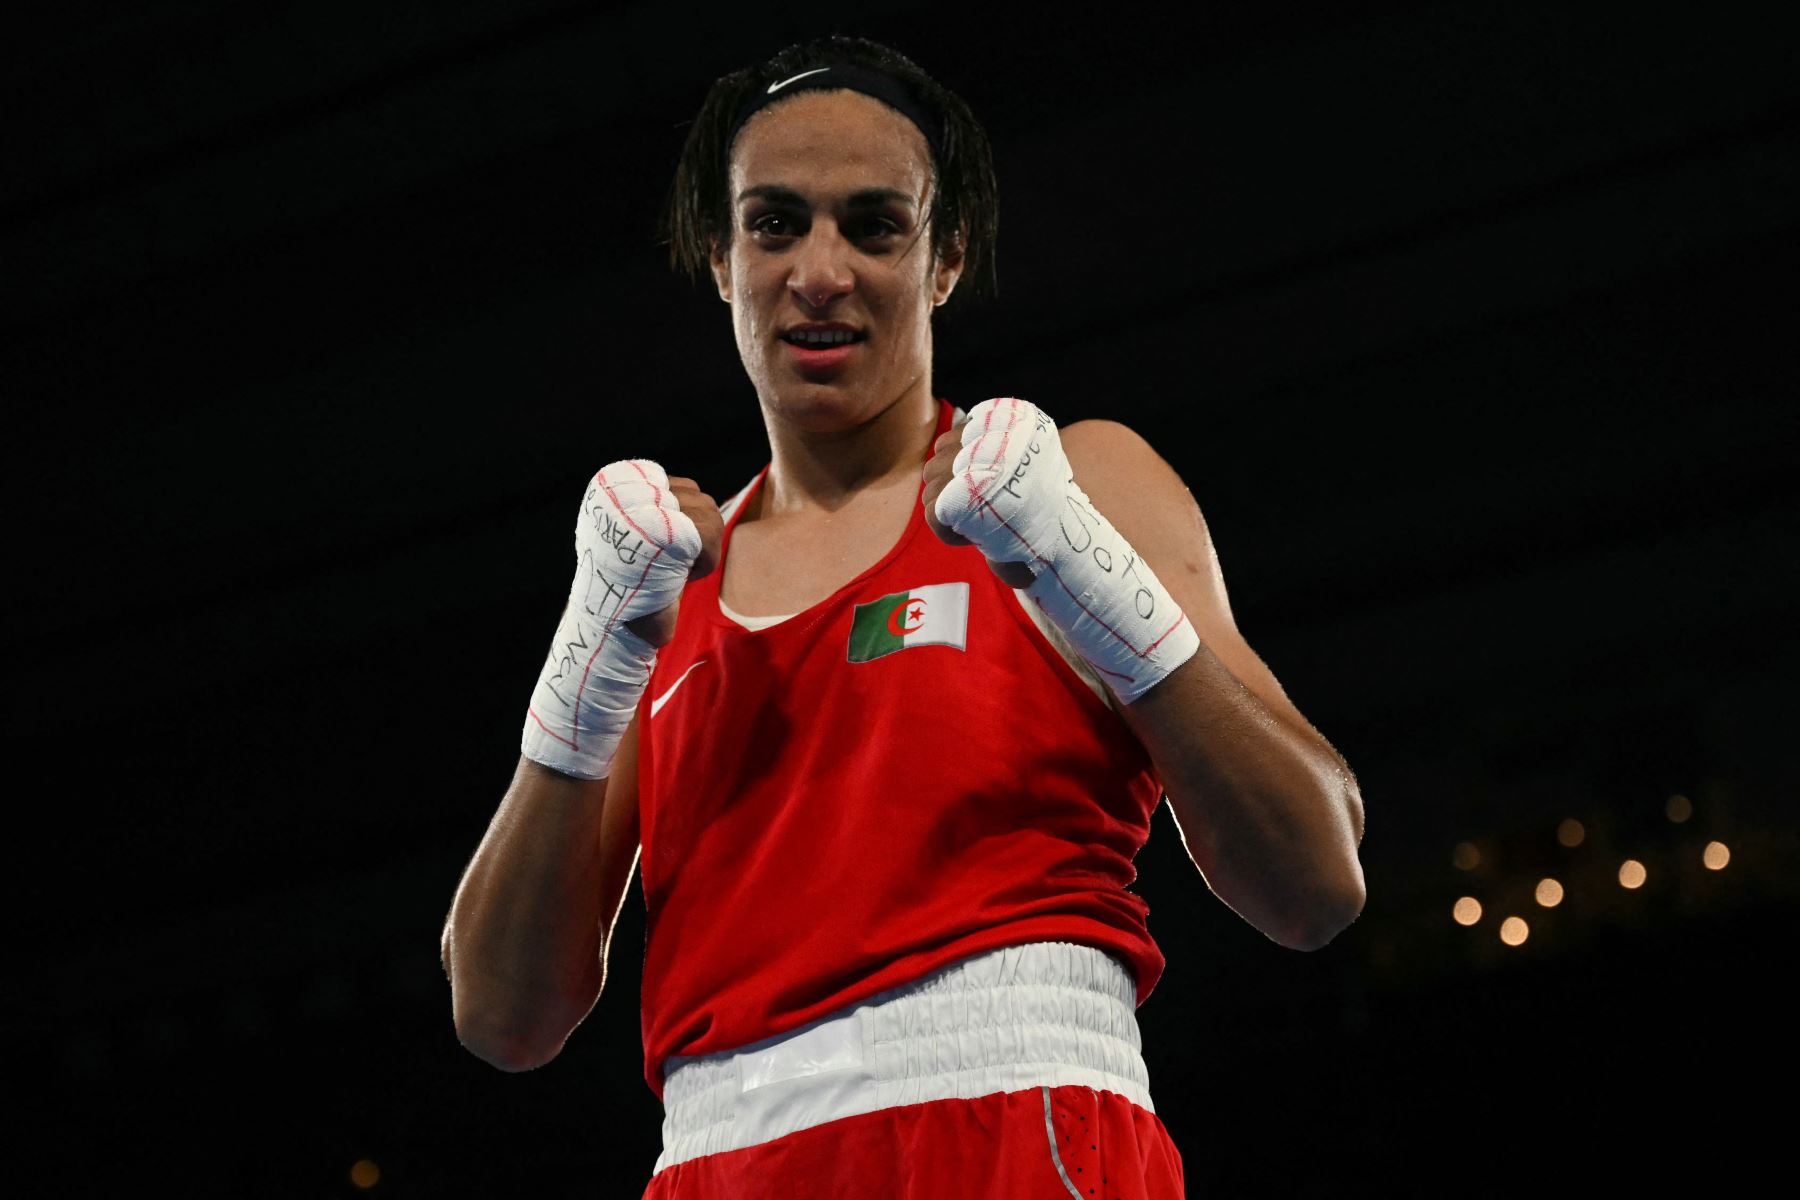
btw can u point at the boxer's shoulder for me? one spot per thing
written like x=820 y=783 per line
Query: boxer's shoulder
x=1147 y=501
x=1112 y=458
x=1107 y=444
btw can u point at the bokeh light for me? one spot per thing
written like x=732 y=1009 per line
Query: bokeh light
x=1570 y=832
x=1679 y=808
x=1549 y=893
x=1467 y=911
x=365 y=1174
x=1632 y=873
x=1514 y=931
x=1466 y=856
x=1715 y=856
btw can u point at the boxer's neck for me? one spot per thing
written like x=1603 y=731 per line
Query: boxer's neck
x=813 y=472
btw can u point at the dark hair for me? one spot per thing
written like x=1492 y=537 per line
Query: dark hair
x=965 y=192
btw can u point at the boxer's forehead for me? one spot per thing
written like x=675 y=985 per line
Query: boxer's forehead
x=824 y=145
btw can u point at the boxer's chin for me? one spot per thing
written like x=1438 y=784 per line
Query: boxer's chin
x=820 y=406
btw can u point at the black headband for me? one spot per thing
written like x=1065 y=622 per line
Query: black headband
x=883 y=87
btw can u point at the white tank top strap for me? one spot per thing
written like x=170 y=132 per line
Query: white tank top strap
x=1040 y=1014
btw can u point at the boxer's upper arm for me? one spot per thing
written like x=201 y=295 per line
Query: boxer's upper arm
x=1147 y=502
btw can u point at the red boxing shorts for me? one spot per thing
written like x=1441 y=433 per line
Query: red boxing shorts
x=1015 y=1073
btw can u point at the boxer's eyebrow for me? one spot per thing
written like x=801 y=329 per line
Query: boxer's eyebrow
x=865 y=198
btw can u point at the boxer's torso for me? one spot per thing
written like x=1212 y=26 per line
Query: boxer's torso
x=902 y=773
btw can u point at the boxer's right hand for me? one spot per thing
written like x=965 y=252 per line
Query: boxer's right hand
x=638 y=541
x=658 y=628
x=639 y=538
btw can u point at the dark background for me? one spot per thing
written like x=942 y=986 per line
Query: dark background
x=1470 y=325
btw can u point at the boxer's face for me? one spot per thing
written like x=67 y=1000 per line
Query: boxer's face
x=829 y=196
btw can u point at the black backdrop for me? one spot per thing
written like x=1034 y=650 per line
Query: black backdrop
x=1469 y=324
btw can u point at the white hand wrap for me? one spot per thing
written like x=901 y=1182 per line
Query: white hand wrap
x=1015 y=497
x=633 y=550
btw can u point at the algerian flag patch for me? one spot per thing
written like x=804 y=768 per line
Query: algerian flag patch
x=923 y=616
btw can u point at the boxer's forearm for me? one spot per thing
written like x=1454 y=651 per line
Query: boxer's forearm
x=522 y=943
x=1270 y=815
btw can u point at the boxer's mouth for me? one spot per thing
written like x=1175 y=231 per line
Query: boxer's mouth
x=822 y=335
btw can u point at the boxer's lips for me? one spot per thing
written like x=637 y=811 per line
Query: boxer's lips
x=822 y=346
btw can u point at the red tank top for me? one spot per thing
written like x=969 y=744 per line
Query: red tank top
x=828 y=811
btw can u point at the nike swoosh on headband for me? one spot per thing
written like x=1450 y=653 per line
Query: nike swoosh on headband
x=776 y=87
x=658 y=702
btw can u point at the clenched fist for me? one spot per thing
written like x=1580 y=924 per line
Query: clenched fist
x=702 y=511
x=939 y=471
x=1010 y=492
x=639 y=538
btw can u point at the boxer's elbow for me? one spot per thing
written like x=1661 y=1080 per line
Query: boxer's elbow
x=1309 y=919
x=1325 y=925
x=511 y=1031
x=508 y=1047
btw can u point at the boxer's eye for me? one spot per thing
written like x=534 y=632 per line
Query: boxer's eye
x=774 y=225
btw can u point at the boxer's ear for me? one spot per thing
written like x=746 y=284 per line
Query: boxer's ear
x=721 y=269
x=949 y=268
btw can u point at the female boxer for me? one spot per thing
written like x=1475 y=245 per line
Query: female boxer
x=890 y=725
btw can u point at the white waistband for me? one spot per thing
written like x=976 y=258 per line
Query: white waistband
x=1038 y=1014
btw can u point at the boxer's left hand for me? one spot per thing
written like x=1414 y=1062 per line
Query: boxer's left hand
x=975 y=452
x=1011 y=493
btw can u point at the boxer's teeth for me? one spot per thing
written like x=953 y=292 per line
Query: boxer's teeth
x=825 y=337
